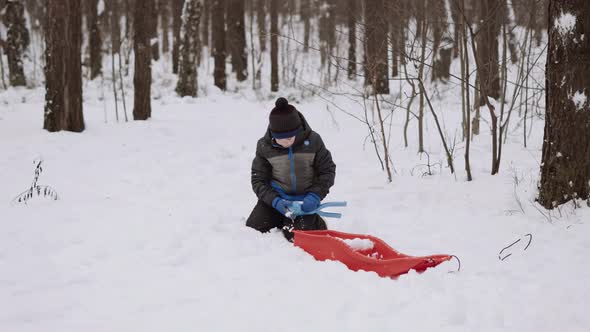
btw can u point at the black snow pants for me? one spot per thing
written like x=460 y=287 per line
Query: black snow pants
x=264 y=218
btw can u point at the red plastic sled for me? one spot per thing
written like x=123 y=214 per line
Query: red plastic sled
x=381 y=258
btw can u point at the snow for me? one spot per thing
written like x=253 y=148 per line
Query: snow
x=580 y=100
x=565 y=23
x=359 y=244
x=100 y=7
x=149 y=234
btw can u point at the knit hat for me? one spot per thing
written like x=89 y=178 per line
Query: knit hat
x=284 y=120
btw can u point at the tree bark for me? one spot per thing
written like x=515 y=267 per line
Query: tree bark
x=306 y=17
x=17 y=41
x=376 y=73
x=142 y=79
x=487 y=48
x=394 y=32
x=565 y=167
x=176 y=23
x=261 y=22
x=219 y=52
x=236 y=31
x=95 y=40
x=205 y=18
x=63 y=67
x=115 y=25
x=164 y=13
x=153 y=29
x=443 y=44
x=274 y=47
x=187 y=74
x=352 y=39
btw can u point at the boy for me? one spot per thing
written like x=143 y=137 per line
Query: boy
x=291 y=164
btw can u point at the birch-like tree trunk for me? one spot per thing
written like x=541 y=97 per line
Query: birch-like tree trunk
x=189 y=49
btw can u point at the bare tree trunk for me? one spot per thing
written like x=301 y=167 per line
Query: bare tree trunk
x=326 y=36
x=129 y=6
x=236 y=35
x=205 y=18
x=115 y=41
x=352 y=39
x=504 y=80
x=2 y=69
x=187 y=73
x=423 y=38
x=565 y=166
x=476 y=107
x=465 y=62
x=142 y=79
x=306 y=16
x=261 y=21
x=219 y=52
x=487 y=48
x=63 y=67
x=376 y=73
x=164 y=13
x=95 y=40
x=17 y=41
x=394 y=31
x=457 y=19
x=274 y=47
x=404 y=21
x=153 y=28
x=176 y=23
x=115 y=25
x=442 y=43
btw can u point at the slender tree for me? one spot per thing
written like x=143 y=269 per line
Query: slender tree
x=261 y=22
x=164 y=13
x=351 y=15
x=487 y=48
x=236 y=36
x=394 y=35
x=219 y=52
x=17 y=41
x=376 y=73
x=205 y=19
x=142 y=79
x=565 y=167
x=187 y=74
x=176 y=23
x=274 y=47
x=63 y=66
x=443 y=41
x=95 y=39
x=112 y=6
x=153 y=29
x=306 y=17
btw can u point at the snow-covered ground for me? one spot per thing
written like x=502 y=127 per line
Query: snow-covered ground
x=149 y=235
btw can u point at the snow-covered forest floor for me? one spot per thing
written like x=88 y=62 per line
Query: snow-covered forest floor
x=148 y=233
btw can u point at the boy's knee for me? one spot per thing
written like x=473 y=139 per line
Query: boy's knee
x=261 y=227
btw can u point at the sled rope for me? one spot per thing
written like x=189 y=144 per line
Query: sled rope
x=530 y=236
x=458 y=262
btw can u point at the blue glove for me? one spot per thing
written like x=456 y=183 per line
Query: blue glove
x=311 y=202
x=281 y=205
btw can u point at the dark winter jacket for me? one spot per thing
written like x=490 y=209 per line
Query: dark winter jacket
x=305 y=167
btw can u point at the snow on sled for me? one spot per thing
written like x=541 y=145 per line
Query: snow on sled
x=363 y=252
